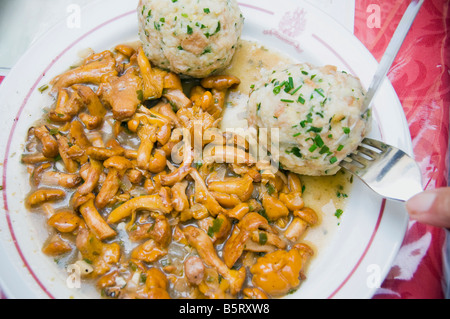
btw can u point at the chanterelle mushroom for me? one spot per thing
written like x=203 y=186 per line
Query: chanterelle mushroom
x=149 y=251
x=93 y=70
x=117 y=165
x=279 y=272
x=219 y=84
x=94 y=220
x=45 y=195
x=96 y=110
x=242 y=232
x=202 y=243
x=240 y=186
x=293 y=199
x=149 y=202
x=102 y=256
x=153 y=78
x=303 y=218
x=49 y=144
x=122 y=94
x=203 y=196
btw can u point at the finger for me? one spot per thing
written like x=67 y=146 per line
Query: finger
x=431 y=207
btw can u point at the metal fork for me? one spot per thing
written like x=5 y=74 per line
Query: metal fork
x=384 y=168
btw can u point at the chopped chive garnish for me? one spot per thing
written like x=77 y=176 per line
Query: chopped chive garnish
x=315 y=129
x=296 y=151
x=289 y=85
x=346 y=130
x=217 y=29
x=296 y=90
x=341 y=195
x=217 y=223
x=189 y=30
x=53 y=131
x=206 y=10
x=319 y=141
x=338 y=212
x=43 y=88
x=325 y=149
x=287 y=101
x=340 y=148
x=313 y=148
x=320 y=92
x=207 y=50
x=296 y=134
x=140 y=95
x=333 y=160
x=305 y=73
x=301 y=99
x=276 y=90
x=262 y=238
x=270 y=188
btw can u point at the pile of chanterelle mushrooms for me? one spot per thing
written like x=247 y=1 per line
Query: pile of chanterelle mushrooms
x=138 y=223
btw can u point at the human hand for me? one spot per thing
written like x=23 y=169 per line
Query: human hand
x=431 y=207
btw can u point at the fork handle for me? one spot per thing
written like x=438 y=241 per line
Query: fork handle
x=392 y=50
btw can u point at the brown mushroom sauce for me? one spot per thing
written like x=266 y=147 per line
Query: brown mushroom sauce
x=142 y=226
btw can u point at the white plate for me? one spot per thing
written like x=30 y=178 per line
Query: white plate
x=355 y=260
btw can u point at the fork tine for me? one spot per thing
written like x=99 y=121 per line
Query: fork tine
x=375 y=144
x=368 y=152
x=358 y=158
x=363 y=156
x=352 y=167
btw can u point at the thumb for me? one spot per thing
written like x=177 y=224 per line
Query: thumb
x=431 y=207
